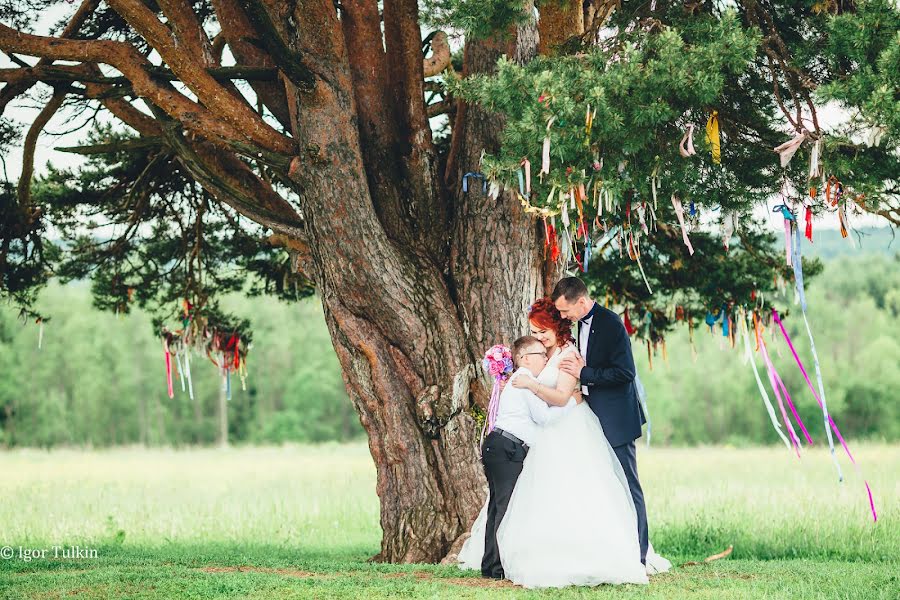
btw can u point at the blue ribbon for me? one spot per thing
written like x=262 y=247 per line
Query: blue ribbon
x=465 y=181
x=787 y=214
x=724 y=321
x=798 y=278
x=587 y=253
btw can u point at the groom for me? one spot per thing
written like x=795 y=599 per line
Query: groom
x=606 y=370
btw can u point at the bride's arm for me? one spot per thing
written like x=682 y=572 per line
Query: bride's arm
x=558 y=396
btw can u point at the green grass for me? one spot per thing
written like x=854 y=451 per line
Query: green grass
x=300 y=522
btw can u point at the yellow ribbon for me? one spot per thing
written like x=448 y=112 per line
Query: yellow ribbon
x=712 y=136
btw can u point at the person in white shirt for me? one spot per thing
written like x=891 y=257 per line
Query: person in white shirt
x=519 y=415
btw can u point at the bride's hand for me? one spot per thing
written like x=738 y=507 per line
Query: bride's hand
x=523 y=381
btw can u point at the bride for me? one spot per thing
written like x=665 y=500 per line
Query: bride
x=571 y=518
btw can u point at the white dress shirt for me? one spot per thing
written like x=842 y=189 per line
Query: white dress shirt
x=521 y=412
x=584 y=332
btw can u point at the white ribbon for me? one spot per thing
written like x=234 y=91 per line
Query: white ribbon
x=687 y=150
x=789 y=148
x=679 y=212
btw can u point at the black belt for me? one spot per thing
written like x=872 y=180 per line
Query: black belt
x=508 y=435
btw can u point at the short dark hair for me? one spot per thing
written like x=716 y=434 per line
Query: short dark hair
x=572 y=288
x=522 y=343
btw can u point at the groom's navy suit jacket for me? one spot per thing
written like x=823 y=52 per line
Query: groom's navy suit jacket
x=609 y=376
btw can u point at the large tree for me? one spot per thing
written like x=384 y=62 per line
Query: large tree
x=320 y=141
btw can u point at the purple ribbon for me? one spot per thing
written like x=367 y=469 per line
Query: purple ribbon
x=830 y=420
x=493 y=408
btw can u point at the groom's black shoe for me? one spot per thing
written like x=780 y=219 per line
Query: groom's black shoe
x=494 y=575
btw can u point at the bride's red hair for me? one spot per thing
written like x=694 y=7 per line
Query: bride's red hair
x=544 y=315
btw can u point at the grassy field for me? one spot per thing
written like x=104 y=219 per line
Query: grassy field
x=300 y=521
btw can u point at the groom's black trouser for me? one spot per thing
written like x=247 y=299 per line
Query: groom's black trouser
x=628 y=459
x=502 y=459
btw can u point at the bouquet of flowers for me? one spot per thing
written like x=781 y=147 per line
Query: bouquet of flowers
x=498 y=363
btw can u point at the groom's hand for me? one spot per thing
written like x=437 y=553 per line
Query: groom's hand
x=572 y=365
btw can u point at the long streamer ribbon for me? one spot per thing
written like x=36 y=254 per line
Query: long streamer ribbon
x=829 y=419
x=178 y=367
x=773 y=381
x=493 y=407
x=187 y=371
x=679 y=212
x=748 y=354
x=168 y=369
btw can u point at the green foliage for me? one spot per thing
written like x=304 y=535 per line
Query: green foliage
x=154 y=237
x=864 y=47
x=477 y=18
x=613 y=112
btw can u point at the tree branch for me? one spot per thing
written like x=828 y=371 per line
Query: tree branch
x=141 y=143
x=137 y=69
x=188 y=31
x=85 y=10
x=232 y=182
x=235 y=112
x=240 y=35
x=72 y=73
x=290 y=61
x=24 y=188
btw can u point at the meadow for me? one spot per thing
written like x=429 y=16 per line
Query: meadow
x=300 y=521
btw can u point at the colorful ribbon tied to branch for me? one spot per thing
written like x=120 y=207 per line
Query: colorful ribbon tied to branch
x=712 y=137
x=830 y=421
x=686 y=147
x=473 y=175
x=787 y=150
x=789 y=220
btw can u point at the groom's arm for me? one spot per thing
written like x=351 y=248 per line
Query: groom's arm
x=620 y=366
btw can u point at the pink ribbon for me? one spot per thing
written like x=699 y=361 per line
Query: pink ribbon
x=819 y=401
x=779 y=388
x=168 y=368
x=493 y=408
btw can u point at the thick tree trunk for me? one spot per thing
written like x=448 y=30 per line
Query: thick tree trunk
x=409 y=314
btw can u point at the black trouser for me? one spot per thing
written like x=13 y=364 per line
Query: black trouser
x=502 y=459
x=628 y=459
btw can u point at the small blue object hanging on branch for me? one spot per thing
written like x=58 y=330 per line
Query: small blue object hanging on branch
x=474 y=175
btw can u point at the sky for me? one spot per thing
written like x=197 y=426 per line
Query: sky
x=24 y=111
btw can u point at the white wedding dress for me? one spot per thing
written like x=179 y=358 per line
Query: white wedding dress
x=571 y=519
